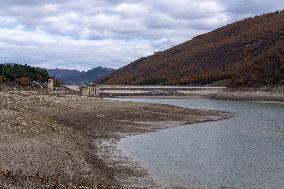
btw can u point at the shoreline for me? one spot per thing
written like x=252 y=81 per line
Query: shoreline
x=72 y=120
x=268 y=101
x=256 y=96
x=56 y=136
x=272 y=96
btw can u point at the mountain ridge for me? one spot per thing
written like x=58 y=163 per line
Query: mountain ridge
x=68 y=76
x=253 y=43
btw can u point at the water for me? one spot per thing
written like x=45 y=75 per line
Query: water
x=246 y=151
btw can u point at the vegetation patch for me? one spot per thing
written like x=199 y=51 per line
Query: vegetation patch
x=247 y=53
x=22 y=74
x=154 y=81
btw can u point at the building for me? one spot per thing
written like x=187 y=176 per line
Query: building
x=50 y=85
x=90 y=90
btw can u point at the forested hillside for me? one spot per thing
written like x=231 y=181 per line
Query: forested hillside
x=22 y=74
x=248 y=53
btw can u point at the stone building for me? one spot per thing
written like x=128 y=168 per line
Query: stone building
x=50 y=85
x=90 y=90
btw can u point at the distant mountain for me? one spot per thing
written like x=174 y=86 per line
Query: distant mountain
x=246 y=53
x=76 y=77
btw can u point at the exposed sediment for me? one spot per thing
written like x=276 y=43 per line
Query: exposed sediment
x=256 y=94
x=58 y=137
x=261 y=94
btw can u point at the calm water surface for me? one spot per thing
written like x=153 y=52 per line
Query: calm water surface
x=246 y=151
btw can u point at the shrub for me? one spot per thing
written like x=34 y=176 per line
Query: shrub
x=154 y=81
x=264 y=72
x=24 y=81
x=2 y=79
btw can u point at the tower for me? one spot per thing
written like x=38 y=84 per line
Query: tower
x=50 y=85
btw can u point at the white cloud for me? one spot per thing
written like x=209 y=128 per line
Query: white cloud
x=7 y=21
x=86 y=33
x=59 y=51
x=132 y=9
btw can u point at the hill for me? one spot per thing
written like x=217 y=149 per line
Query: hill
x=76 y=77
x=246 y=53
x=22 y=74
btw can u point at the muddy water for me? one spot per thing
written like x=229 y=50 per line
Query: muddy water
x=246 y=151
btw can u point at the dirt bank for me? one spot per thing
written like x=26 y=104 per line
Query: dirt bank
x=55 y=137
x=260 y=94
x=271 y=95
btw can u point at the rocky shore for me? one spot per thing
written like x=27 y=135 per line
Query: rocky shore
x=275 y=94
x=49 y=141
x=261 y=94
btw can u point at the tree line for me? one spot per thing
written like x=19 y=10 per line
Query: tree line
x=22 y=74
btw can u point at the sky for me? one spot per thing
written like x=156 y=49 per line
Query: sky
x=83 y=34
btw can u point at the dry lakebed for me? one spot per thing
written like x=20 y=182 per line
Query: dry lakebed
x=54 y=141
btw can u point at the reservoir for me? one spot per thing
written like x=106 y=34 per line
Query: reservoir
x=245 y=151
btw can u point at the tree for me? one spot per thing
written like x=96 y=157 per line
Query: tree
x=16 y=71
x=2 y=79
x=24 y=81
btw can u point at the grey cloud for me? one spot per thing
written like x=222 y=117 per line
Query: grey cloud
x=86 y=33
x=252 y=6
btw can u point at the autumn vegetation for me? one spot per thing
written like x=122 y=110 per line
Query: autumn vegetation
x=265 y=71
x=22 y=74
x=247 y=53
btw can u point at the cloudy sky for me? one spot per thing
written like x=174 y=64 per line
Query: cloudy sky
x=82 y=34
